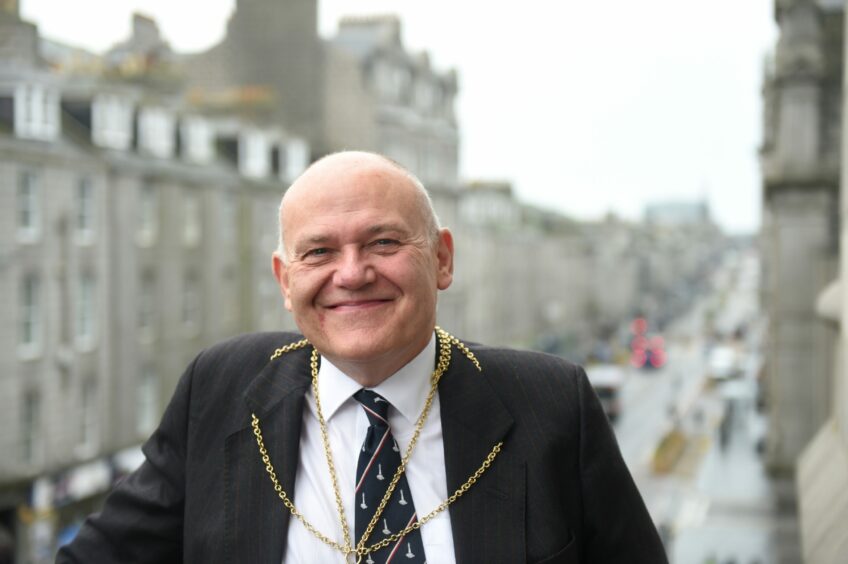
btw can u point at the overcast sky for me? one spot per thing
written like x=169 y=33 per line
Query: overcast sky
x=586 y=106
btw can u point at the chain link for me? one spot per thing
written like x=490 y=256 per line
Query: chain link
x=328 y=454
x=288 y=348
x=348 y=551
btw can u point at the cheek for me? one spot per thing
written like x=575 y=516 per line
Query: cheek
x=303 y=287
x=417 y=275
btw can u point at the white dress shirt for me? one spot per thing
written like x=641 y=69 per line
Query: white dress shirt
x=406 y=390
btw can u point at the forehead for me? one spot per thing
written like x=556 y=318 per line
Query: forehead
x=340 y=194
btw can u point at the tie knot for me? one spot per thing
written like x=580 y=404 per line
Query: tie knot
x=375 y=405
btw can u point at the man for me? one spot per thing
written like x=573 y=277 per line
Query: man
x=345 y=448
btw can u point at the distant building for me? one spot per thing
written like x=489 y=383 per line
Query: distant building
x=677 y=213
x=273 y=46
x=382 y=98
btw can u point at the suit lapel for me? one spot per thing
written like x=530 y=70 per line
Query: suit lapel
x=256 y=519
x=488 y=521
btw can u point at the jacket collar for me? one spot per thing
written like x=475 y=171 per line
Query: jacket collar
x=474 y=419
x=256 y=519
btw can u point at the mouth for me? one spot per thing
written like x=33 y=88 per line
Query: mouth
x=356 y=305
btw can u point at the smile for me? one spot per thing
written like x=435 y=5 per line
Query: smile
x=356 y=305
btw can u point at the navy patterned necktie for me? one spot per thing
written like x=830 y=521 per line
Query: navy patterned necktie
x=378 y=461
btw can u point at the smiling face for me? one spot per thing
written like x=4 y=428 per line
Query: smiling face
x=362 y=265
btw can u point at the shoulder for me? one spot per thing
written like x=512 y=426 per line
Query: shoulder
x=524 y=363
x=239 y=359
x=214 y=383
x=249 y=345
x=532 y=378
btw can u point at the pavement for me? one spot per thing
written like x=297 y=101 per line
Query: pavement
x=731 y=509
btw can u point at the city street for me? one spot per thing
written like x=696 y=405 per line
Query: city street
x=715 y=504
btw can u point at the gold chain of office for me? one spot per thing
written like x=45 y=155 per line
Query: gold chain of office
x=348 y=551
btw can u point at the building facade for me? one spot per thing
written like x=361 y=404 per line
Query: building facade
x=136 y=229
x=822 y=469
x=800 y=167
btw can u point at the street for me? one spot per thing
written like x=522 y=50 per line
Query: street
x=715 y=504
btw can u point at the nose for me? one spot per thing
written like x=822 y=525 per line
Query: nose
x=353 y=271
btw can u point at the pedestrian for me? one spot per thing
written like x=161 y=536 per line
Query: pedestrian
x=374 y=433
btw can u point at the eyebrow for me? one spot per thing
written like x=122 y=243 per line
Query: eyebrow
x=387 y=227
x=320 y=239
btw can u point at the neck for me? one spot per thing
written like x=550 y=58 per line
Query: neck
x=371 y=372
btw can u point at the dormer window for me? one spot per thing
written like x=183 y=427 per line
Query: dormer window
x=36 y=112
x=156 y=132
x=111 y=125
x=198 y=140
x=296 y=159
x=254 y=154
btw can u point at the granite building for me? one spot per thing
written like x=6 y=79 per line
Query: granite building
x=800 y=158
x=136 y=228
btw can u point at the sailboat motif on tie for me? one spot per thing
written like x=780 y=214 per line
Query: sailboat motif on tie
x=379 y=460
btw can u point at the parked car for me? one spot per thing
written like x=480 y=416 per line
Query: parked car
x=723 y=363
x=607 y=380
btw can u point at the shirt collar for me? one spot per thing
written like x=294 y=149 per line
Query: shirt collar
x=406 y=389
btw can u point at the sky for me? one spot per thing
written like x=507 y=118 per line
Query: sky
x=587 y=107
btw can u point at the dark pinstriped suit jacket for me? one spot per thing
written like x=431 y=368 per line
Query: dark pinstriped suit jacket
x=559 y=491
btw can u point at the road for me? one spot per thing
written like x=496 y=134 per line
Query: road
x=717 y=505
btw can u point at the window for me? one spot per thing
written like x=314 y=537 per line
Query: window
x=191 y=219
x=229 y=288
x=111 y=122
x=85 y=210
x=30 y=315
x=199 y=146
x=36 y=112
x=86 y=311
x=147 y=406
x=254 y=154
x=157 y=132
x=147 y=307
x=29 y=208
x=229 y=218
x=297 y=158
x=31 y=428
x=89 y=417
x=148 y=214
x=191 y=302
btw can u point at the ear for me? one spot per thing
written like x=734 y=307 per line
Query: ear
x=444 y=257
x=281 y=273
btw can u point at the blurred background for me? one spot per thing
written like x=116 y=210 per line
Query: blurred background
x=651 y=189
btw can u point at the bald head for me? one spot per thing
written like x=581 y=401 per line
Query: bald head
x=363 y=263
x=329 y=175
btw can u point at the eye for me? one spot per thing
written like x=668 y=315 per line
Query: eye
x=315 y=253
x=385 y=242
